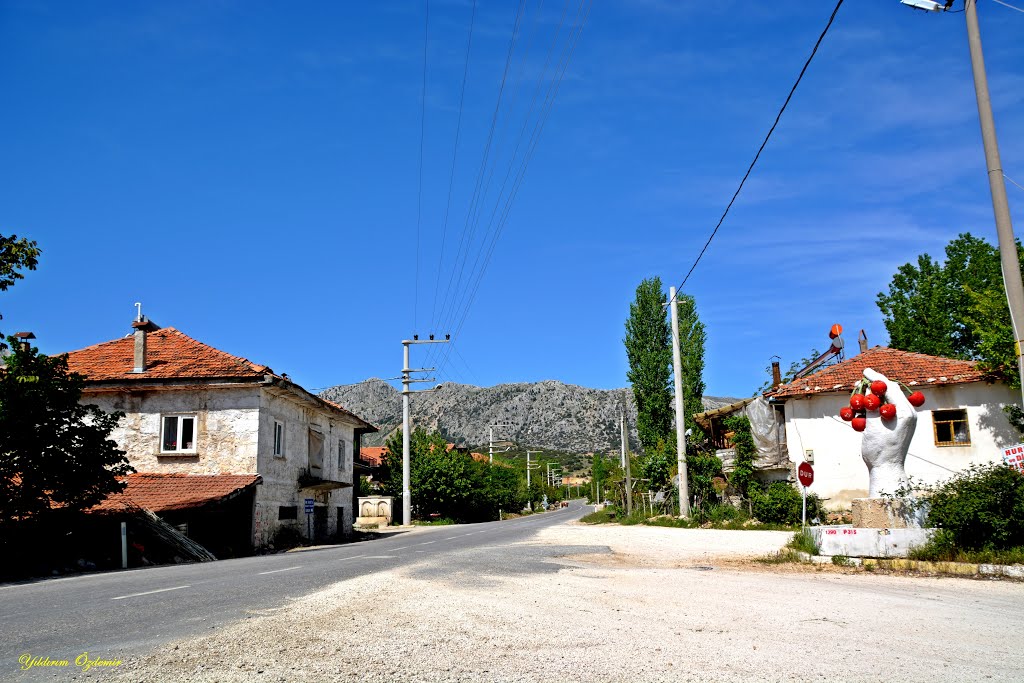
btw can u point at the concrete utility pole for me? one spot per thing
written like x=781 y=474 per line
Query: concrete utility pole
x=625 y=462
x=406 y=421
x=1000 y=205
x=677 y=370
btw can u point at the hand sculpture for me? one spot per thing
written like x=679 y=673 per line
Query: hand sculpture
x=885 y=442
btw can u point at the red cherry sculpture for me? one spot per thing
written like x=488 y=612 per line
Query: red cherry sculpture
x=916 y=399
x=859 y=423
x=878 y=388
x=846 y=412
x=888 y=411
x=857 y=401
x=872 y=402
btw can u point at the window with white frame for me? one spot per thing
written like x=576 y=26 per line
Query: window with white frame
x=178 y=434
x=278 y=439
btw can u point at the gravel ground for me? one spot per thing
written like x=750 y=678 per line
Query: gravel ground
x=609 y=603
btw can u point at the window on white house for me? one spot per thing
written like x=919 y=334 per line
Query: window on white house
x=179 y=434
x=951 y=428
x=316 y=453
x=278 y=439
x=341 y=455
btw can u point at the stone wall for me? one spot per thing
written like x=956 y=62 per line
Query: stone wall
x=235 y=435
x=226 y=428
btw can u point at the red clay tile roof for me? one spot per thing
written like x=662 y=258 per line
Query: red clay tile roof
x=373 y=455
x=170 y=354
x=165 y=492
x=910 y=368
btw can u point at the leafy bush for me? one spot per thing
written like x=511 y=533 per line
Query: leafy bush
x=781 y=503
x=981 y=508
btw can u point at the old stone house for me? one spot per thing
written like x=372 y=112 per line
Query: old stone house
x=232 y=448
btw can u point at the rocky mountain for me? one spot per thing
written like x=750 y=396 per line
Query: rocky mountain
x=545 y=414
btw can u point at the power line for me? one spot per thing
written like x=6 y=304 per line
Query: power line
x=455 y=151
x=1013 y=181
x=1006 y=4
x=547 y=106
x=487 y=148
x=419 y=193
x=750 y=169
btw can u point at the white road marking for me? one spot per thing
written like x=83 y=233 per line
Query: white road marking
x=402 y=548
x=275 y=571
x=426 y=543
x=159 y=590
x=354 y=557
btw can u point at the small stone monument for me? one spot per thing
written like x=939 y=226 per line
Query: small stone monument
x=374 y=511
x=888 y=522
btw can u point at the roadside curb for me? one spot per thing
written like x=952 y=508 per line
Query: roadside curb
x=1009 y=571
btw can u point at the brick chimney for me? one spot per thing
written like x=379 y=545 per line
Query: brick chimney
x=23 y=339
x=863 y=339
x=776 y=374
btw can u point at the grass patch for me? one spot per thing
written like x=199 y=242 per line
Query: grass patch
x=802 y=541
x=784 y=556
x=443 y=521
x=603 y=516
x=942 y=548
x=841 y=561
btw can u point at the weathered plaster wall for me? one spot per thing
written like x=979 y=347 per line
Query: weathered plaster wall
x=226 y=428
x=281 y=474
x=235 y=435
x=839 y=472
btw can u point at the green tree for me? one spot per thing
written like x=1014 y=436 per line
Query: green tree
x=659 y=464
x=692 y=336
x=599 y=471
x=928 y=308
x=742 y=476
x=648 y=349
x=16 y=254
x=450 y=484
x=55 y=453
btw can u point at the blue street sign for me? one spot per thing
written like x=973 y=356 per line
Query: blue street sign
x=309 y=506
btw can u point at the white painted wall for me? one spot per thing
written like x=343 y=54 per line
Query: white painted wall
x=813 y=423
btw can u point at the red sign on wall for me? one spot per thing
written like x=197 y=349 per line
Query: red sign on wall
x=805 y=473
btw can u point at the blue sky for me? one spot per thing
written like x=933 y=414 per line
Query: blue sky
x=249 y=171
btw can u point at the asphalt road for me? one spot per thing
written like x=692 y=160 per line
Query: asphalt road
x=124 y=613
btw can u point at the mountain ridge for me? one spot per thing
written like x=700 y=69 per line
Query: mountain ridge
x=546 y=414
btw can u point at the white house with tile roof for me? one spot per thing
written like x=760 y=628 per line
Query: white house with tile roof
x=961 y=423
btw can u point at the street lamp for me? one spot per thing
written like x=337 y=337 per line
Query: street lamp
x=1000 y=204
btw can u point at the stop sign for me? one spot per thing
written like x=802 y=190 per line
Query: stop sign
x=805 y=473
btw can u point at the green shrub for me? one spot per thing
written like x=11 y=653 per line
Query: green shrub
x=802 y=541
x=782 y=503
x=724 y=512
x=981 y=508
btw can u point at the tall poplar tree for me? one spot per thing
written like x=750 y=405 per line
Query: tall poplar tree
x=648 y=347
x=692 y=336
